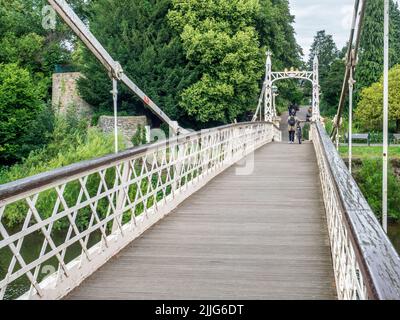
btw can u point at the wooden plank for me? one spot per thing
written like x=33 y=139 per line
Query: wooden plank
x=261 y=236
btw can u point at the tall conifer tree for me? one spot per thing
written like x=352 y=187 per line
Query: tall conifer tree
x=203 y=67
x=370 y=67
x=137 y=34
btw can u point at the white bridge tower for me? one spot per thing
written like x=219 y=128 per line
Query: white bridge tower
x=266 y=101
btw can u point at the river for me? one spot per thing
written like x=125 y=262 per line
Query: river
x=30 y=251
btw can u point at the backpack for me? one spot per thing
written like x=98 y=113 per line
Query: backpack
x=292 y=121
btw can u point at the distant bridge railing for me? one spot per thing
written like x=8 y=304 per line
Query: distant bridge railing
x=101 y=205
x=366 y=265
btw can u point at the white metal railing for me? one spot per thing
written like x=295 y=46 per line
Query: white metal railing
x=104 y=204
x=365 y=263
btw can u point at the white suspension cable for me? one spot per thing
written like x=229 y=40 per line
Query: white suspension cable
x=385 y=116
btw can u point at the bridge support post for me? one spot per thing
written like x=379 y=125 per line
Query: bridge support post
x=121 y=195
x=259 y=105
x=385 y=115
x=179 y=154
x=268 y=96
x=114 y=92
x=351 y=87
x=315 y=103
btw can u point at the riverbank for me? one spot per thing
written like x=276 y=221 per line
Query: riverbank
x=367 y=171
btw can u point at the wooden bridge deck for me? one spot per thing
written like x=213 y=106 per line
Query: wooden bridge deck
x=262 y=236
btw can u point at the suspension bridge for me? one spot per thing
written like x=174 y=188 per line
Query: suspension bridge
x=223 y=213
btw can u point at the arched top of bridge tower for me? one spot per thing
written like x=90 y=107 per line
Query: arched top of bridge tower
x=269 y=55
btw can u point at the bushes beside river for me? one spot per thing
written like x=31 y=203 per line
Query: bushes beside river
x=367 y=171
x=369 y=178
x=71 y=141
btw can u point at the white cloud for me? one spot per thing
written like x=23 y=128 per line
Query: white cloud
x=305 y=12
x=333 y=16
x=347 y=12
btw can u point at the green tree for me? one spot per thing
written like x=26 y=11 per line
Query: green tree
x=370 y=67
x=220 y=39
x=196 y=84
x=369 y=178
x=21 y=102
x=325 y=49
x=369 y=110
x=30 y=51
x=24 y=40
x=331 y=87
x=274 y=25
x=331 y=70
x=147 y=48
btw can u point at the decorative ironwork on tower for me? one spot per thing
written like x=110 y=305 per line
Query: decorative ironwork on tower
x=315 y=100
x=269 y=108
x=267 y=94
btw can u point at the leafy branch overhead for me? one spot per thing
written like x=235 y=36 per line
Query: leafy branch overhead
x=370 y=107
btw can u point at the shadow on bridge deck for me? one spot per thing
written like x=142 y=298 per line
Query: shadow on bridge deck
x=262 y=236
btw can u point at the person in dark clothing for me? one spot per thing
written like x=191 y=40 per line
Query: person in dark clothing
x=292 y=110
x=289 y=109
x=299 y=130
x=309 y=115
x=292 y=120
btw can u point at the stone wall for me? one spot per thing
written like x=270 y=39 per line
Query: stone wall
x=127 y=126
x=66 y=95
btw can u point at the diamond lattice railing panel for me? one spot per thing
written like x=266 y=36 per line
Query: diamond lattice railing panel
x=349 y=280
x=68 y=222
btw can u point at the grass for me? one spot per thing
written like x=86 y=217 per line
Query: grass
x=370 y=152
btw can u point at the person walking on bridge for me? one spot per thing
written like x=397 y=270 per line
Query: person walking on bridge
x=299 y=129
x=309 y=115
x=292 y=110
x=292 y=120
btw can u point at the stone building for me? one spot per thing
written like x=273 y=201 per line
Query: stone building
x=65 y=94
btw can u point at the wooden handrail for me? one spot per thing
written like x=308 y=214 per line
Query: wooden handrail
x=30 y=183
x=377 y=258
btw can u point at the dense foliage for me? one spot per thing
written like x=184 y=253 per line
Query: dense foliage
x=331 y=87
x=28 y=55
x=325 y=49
x=331 y=70
x=369 y=112
x=23 y=39
x=21 y=102
x=149 y=51
x=220 y=39
x=200 y=61
x=140 y=136
x=369 y=179
x=370 y=67
x=276 y=32
x=71 y=141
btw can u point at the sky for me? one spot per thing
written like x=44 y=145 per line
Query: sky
x=333 y=16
